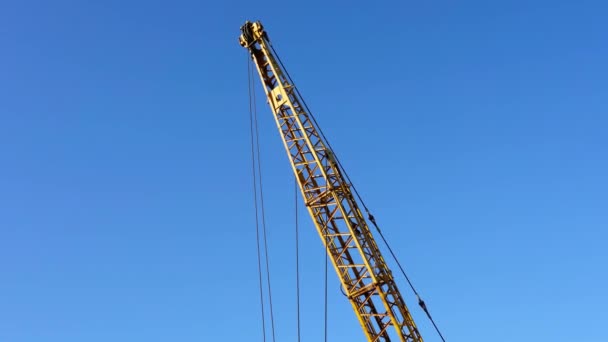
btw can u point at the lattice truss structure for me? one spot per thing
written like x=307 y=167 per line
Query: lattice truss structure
x=363 y=272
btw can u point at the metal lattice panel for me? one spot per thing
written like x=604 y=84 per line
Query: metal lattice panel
x=364 y=275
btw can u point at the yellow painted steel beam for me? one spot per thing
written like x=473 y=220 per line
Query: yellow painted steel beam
x=356 y=258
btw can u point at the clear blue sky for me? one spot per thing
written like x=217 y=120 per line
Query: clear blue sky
x=476 y=131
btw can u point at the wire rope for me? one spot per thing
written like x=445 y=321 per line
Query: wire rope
x=255 y=199
x=257 y=136
x=326 y=266
x=297 y=257
x=257 y=159
x=421 y=303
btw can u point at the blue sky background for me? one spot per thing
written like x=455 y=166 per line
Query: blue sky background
x=475 y=130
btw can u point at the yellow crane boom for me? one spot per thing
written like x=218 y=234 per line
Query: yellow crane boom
x=361 y=268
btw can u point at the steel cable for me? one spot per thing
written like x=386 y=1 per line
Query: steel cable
x=421 y=303
x=255 y=199
x=256 y=158
x=297 y=256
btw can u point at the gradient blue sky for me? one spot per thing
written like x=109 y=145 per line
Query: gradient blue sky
x=476 y=131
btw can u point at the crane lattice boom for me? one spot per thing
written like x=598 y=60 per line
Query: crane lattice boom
x=363 y=272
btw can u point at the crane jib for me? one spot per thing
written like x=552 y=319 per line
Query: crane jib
x=363 y=273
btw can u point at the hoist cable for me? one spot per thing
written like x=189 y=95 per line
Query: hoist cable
x=326 y=263
x=255 y=200
x=326 y=241
x=297 y=255
x=421 y=303
x=257 y=136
